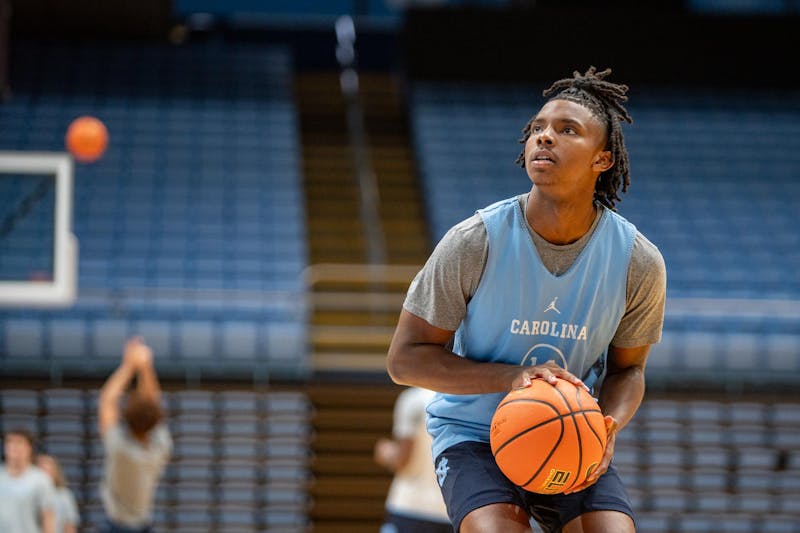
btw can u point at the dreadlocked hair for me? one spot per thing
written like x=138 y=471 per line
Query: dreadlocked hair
x=605 y=100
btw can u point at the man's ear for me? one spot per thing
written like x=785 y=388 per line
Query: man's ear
x=602 y=161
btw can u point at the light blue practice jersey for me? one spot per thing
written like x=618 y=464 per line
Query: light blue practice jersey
x=522 y=314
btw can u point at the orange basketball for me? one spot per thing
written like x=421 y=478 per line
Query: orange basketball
x=86 y=139
x=547 y=438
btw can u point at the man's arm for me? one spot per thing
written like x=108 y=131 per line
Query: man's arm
x=393 y=454
x=623 y=387
x=48 y=521
x=136 y=355
x=418 y=356
x=146 y=379
x=620 y=396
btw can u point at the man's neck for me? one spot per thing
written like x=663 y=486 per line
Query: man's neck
x=559 y=222
x=16 y=469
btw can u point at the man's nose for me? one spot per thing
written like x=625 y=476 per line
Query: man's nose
x=544 y=137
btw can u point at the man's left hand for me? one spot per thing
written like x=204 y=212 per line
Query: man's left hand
x=611 y=437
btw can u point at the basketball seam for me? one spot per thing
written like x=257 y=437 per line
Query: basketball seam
x=577 y=433
x=549 y=455
x=529 y=400
x=586 y=418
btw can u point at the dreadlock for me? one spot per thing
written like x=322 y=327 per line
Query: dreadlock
x=605 y=100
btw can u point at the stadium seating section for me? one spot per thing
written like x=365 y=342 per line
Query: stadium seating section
x=192 y=225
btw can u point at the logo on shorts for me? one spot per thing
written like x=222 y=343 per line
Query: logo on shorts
x=441 y=471
x=556 y=480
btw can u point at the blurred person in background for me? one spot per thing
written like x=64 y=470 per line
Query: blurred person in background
x=136 y=442
x=27 y=496
x=414 y=503
x=66 y=510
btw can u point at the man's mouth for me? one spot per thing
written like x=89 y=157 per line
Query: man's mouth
x=542 y=159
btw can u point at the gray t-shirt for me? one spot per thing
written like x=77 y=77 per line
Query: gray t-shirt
x=66 y=509
x=23 y=499
x=440 y=292
x=131 y=474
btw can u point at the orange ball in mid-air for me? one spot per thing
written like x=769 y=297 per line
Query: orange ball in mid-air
x=86 y=139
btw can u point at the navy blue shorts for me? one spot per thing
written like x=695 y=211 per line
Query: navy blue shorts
x=111 y=527
x=472 y=480
x=398 y=523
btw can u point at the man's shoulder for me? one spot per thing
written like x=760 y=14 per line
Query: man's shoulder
x=645 y=253
x=468 y=229
x=467 y=239
x=35 y=476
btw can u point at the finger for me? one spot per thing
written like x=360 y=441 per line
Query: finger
x=549 y=377
x=521 y=382
x=567 y=376
x=544 y=374
x=591 y=480
x=611 y=423
x=586 y=484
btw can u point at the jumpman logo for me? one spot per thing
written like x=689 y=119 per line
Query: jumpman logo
x=552 y=306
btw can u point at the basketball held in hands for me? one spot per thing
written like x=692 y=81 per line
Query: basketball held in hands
x=548 y=438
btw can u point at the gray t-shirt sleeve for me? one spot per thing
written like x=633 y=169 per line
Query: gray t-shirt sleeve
x=440 y=292
x=646 y=295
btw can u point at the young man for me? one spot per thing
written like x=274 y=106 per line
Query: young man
x=27 y=496
x=414 y=503
x=137 y=443
x=550 y=284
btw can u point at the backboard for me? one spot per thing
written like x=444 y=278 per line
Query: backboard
x=38 y=251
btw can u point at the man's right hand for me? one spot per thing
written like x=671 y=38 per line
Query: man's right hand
x=548 y=371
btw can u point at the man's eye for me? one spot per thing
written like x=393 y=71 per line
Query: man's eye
x=568 y=130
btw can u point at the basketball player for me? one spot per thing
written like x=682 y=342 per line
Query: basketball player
x=414 y=503
x=552 y=283
x=136 y=442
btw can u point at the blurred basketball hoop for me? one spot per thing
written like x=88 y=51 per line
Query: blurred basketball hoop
x=38 y=251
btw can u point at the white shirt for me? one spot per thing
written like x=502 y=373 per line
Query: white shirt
x=23 y=498
x=415 y=491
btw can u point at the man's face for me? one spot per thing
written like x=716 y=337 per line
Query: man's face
x=17 y=449
x=566 y=150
